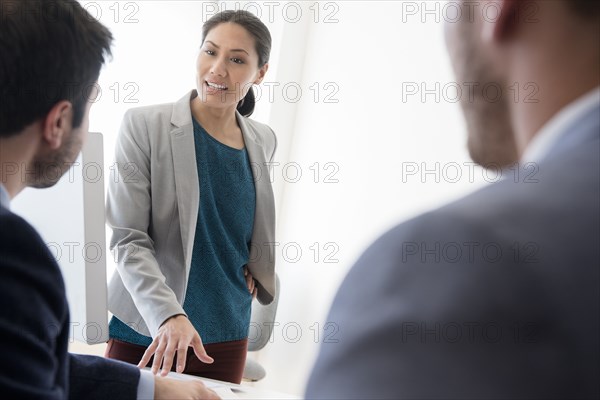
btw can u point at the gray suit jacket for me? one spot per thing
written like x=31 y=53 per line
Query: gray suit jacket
x=152 y=207
x=494 y=296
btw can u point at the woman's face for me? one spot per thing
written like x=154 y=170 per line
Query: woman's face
x=227 y=66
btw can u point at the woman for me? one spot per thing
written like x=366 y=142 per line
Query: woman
x=191 y=201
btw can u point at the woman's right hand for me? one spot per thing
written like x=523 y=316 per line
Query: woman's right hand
x=176 y=334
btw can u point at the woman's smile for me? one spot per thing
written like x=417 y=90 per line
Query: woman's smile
x=215 y=87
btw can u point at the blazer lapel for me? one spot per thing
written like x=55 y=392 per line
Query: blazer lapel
x=187 y=189
x=263 y=232
x=258 y=162
x=185 y=171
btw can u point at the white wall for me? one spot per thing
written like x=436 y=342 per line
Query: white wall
x=369 y=136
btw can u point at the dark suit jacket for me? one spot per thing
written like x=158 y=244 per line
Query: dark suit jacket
x=494 y=296
x=34 y=328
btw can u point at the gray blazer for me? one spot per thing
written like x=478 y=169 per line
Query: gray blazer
x=493 y=296
x=152 y=208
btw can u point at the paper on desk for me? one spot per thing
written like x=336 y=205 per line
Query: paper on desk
x=223 y=391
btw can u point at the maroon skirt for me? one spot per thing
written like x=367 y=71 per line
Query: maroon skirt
x=230 y=358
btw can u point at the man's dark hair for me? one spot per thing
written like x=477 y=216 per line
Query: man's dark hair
x=50 y=50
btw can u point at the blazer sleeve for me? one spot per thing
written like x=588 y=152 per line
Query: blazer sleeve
x=128 y=213
x=97 y=378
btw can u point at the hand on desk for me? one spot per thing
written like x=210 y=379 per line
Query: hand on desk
x=166 y=388
x=175 y=334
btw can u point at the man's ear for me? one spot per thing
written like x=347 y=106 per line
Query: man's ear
x=57 y=123
x=501 y=19
x=261 y=74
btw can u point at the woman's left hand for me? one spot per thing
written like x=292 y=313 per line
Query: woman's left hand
x=250 y=282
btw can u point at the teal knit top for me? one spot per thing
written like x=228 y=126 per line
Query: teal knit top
x=217 y=299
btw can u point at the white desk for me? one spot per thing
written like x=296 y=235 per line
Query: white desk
x=232 y=391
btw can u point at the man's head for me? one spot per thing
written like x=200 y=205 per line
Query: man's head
x=52 y=52
x=526 y=59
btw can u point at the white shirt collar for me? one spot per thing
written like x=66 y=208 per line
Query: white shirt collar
x=549 y=134
x=4 y=197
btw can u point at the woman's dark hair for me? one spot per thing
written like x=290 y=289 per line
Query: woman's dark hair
x=262 y=44
x=50 y=51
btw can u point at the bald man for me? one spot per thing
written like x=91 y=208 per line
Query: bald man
x=495 y=295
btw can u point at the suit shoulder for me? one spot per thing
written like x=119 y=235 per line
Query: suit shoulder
x=463 y=242
x=156 y=115
x=147 y=122
x=15 y=229
x=20 y=240
x=26 y=260
x=149 y=110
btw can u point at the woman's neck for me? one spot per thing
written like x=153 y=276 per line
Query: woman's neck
x=215 y=120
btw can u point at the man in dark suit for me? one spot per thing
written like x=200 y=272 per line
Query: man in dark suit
x=495 y=295
x=51 y=55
